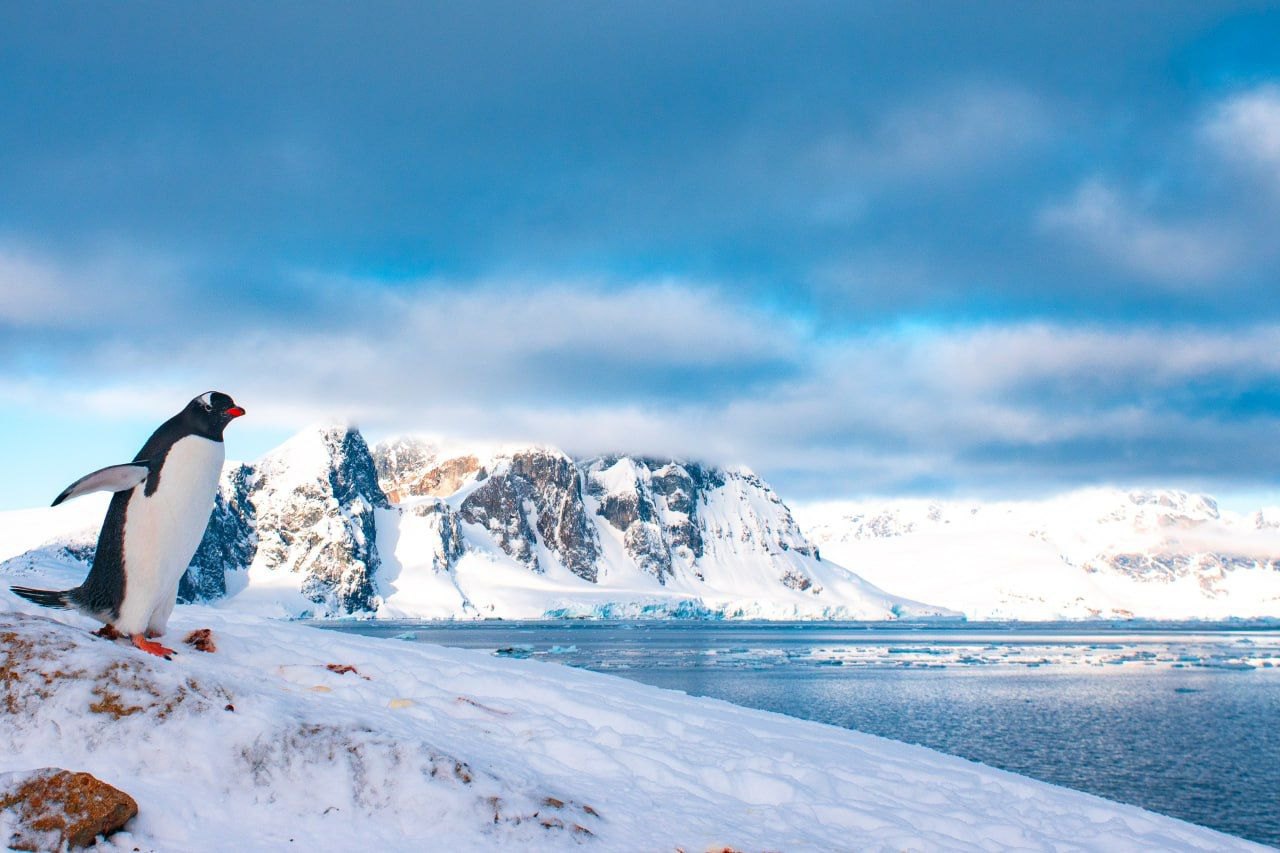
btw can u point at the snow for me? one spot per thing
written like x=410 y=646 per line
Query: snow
x=422 y=747
x=1079 y=555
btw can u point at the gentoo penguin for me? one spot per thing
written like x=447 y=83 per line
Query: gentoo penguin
x=154 y=524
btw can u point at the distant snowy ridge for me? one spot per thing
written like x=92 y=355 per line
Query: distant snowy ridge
x=1097 y=553
x=323 y=525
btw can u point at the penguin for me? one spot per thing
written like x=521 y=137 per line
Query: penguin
x=155 y=522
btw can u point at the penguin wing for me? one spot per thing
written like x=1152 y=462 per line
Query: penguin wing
x=117 y=478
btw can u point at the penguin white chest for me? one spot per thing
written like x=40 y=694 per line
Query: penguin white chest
x=162 y=531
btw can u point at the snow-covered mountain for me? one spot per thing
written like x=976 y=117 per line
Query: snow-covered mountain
x=324 y=525
x=1099 y=553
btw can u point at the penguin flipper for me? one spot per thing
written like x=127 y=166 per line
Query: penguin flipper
x=45 y=597
x=116 y=478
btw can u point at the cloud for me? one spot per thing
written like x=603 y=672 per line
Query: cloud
x=945 y=136
x=1193 y=214
x=1245 y=128
x=1175 y=253
x=678 y=367
x=1016 y=406
x=95 y=288
x=420 y=352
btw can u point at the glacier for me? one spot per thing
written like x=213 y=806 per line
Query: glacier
x=1100 y=553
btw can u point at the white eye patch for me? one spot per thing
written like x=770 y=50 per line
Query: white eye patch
x=206 y=399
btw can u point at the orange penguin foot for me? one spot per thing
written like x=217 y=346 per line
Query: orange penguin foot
x=107 y=632
x=151 y=648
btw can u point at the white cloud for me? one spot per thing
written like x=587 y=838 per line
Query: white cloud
x=1173 y=253
x=946 y=135
x=99 y=287
x=1219 y=165
x=1245 y=128
x=673 y=367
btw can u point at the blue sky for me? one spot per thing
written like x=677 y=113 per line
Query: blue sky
x=868 y=249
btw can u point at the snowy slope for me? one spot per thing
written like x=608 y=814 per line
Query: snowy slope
x=423 y=747
x=324 y=526
x=1104 y=553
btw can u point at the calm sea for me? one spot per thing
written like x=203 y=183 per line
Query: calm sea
x=1182 y=720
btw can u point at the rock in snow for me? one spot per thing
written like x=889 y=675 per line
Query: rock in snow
x=274 y=743
x=51 y=808
x=517 y=532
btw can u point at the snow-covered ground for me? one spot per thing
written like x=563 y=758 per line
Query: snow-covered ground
x=268 y=744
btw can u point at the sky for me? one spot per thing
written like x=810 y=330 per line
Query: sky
x=868 y=249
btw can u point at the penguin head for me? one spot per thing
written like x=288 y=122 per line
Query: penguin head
x=210 y=413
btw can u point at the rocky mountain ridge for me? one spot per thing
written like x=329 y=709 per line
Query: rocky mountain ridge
x=323 y=525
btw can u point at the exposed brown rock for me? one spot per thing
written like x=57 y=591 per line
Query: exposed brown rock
x=447 y=477
x=344 y=668
x=56 y=808
x=108 y=632
x=201 y=640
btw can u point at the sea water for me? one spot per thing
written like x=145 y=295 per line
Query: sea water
x=1179 y=719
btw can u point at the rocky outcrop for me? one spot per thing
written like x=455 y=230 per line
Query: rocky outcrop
x=314 y=502
x=530 y=499
x=399 y=463
x=638 y=505
x=446 y=525
x=540 y=490
x=411 y=467
x=230 y=541
x=53 y=809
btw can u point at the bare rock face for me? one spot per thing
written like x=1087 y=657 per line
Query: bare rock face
x=654 y=503
x=413 y=467
x=447 y=477
x=499 y=507
x=447 y=525
x=53 y=808
x=401 y=461
x=561 y=515
x=313 y=501
x=682 y=485
x=537 y=490
x=230 y=541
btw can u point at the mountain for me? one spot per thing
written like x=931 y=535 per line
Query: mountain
x=1099 y=553
x=529 y=531
x=323 y=525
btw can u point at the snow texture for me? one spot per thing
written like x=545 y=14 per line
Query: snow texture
x=1099 y=553
x=320 y=740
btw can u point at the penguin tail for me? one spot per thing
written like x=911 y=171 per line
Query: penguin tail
x=45 y=597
